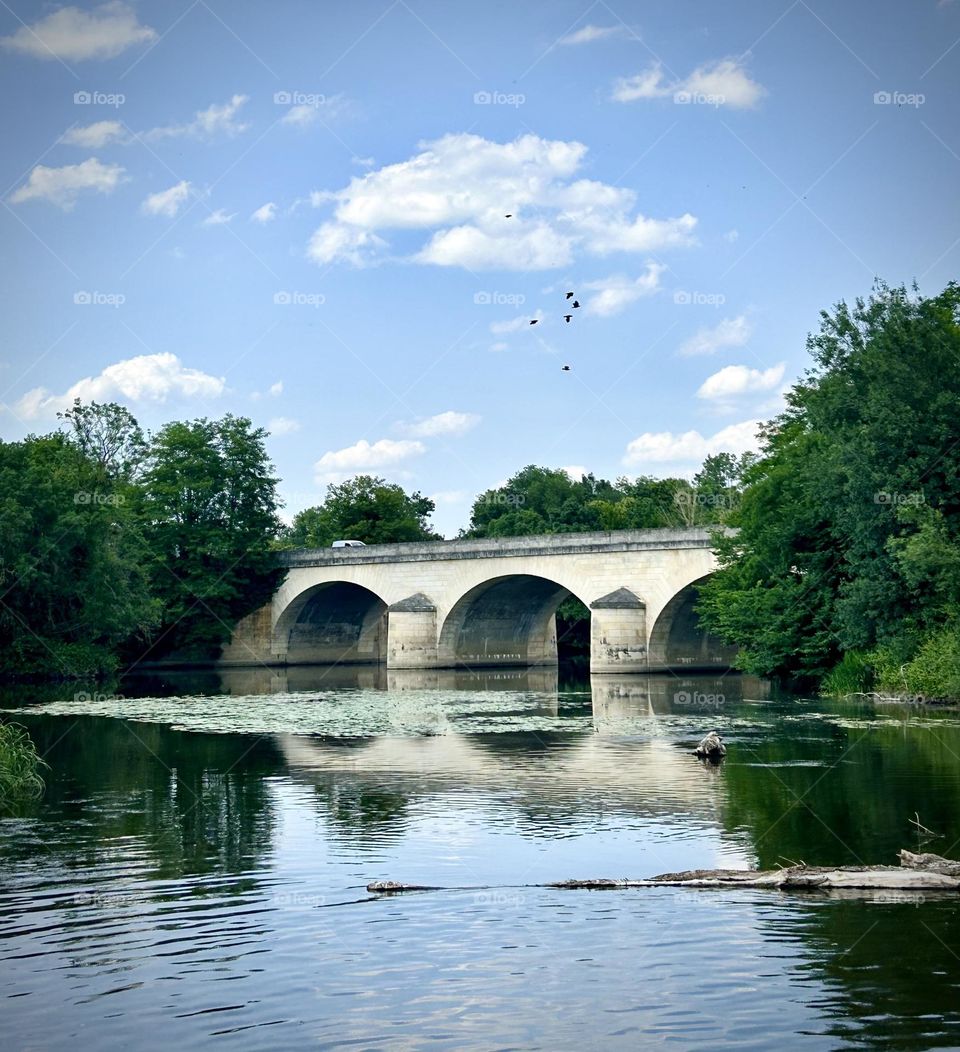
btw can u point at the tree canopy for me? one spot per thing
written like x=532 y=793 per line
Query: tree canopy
x=365 y=508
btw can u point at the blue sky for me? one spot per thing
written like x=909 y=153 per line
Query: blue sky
x=296 y=211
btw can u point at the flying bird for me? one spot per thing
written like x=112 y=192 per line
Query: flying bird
x=509 y=215
x=567 y=318
x=569 y=296
x=576 y=303
x=534 y=322
x=564 y=368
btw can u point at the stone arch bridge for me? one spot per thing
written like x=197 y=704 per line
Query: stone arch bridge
x=487 y=603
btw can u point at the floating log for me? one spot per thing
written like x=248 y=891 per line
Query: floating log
x=917 y=873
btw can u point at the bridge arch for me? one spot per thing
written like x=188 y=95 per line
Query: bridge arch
x=506 y=620
x=677 y=640
x=332 y=623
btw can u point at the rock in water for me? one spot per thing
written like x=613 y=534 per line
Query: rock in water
x=711 y=748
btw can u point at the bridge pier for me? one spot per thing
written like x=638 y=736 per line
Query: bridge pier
x=412 y=633
x=618 y=633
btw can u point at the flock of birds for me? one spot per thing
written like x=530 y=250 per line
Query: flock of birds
x=566 y=317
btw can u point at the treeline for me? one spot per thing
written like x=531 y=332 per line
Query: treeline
x=846 y=567
x=115 y=546
x=534 y=500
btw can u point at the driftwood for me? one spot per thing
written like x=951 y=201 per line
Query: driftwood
x=711 y=748
x=917 y=873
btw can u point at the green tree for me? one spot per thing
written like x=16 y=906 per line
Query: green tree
x=849 y=525
x=365 y=508
x=209 y=513
x=72 y=580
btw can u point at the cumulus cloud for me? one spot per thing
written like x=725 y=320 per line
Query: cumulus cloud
x=218 y=218
x=690 y=447
x=731 y=332
x=93 y=136
x=615 y=293
x=265 y=213
x=722 y=83
x=283 y=425
x=575 y=472
x=61 y=186
x=590 y=33
x=459 y=188
x=448 y=423
x=166 y=202
x=145 y=378
x=214 y=120
x=71 y=34
x=363 y=456
x=737 y=380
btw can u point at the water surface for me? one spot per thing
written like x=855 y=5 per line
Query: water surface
x=196 y=870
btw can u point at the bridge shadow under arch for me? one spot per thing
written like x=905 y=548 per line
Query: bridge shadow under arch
x=333 y=623
x=506 y=621
x=678 y=640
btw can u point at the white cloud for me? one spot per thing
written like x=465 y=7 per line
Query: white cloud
x=93 y=136
x=276 y=389
x=74 y=35
x=218 y=218
x=499 y=346
x=283 y=425
x=462 y=186
x=448 y=423
x=145 y=378
x=590 y=33
x=740 y=380
x=265 y=213
x=575 y=472
x=166 y=202
x=731 y=235
x=305 y=114
x=721 y=83
x=731 y=332
x=690 y=447
x=615 y=293
x=214 y=120
x=501 y=328
x=364 y=456
x=61 y=186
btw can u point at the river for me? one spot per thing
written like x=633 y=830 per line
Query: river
x=195 y=873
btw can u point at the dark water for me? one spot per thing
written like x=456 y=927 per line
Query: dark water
x=195 y=874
